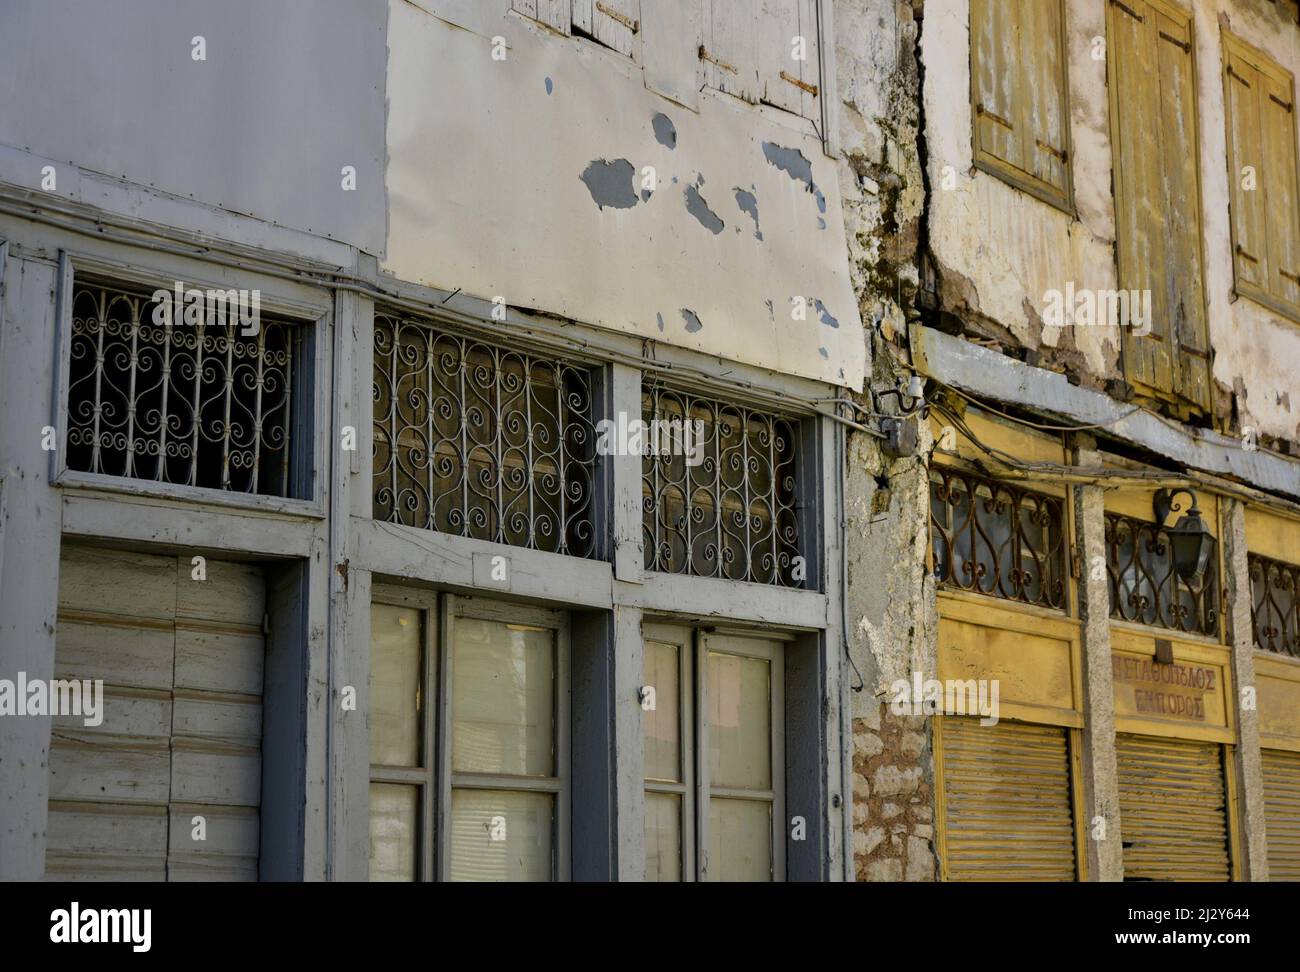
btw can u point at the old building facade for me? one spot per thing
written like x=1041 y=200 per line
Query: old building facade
x=545 y=445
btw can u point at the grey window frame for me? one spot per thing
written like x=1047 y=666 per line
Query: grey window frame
x=308 y=406
x=436 y=778
x=693 y=646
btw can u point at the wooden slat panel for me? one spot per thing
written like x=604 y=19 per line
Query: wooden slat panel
x=1172 y=809
x=233 y=593
x=609 y=22
x=229 y=720
x=119 y=653
x=117 y=582
x=106 y=841
x=1007 y=805
x=995 y=35
x=219 y=661
x=1043 y=124
x=1241 y=86
x=121 y=769
x=810 y=70
x=731 y=39
x=229 y=852
x=1282 y=813
x=223 y=776
x=1277 y=101
x=554 y=14
x=777 y=25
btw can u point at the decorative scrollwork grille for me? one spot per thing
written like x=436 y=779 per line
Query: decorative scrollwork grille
x=728 y=508
x=480 y=441
x=991 y=538
x=192 y=404
x=1274 y=605
x=1145 y=587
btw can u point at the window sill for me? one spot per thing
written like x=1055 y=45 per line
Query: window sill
x=201 y=496
x=1056 y=198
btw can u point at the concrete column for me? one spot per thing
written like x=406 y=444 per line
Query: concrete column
x=1250 y=779
x=29 y=554
x=1105 y=851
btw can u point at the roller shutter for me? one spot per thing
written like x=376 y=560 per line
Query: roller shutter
x=1282 y=813
x=1172 y=809
x=1007 y=806
x=181 y=661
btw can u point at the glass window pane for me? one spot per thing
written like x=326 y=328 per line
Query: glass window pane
x=662 y=726
x=503 y=699
x=663 y=837
x=393 y=813
x=395 y=678
x=501 y=836
x=740 y=722
x=740 y=840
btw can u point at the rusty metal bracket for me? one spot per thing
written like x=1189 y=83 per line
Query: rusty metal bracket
x=810 y=88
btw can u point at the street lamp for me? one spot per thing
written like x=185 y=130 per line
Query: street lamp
x=1189 y=538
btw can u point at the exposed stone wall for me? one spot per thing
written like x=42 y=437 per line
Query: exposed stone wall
x=890 y=599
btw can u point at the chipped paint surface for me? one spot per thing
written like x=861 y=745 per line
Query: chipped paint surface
x=999 y=251
x=495 y=217
x=610 y=183
x=665 y=130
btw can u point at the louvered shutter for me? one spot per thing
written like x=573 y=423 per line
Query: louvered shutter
x=1281 y=202
x=1007 y=805
x=1173 y=809
x=1282 y=813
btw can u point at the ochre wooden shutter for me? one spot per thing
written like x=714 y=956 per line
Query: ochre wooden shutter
x=1173 y=810
x=1045 y=115
x=1158 y=213
x=1250 y=244
x=1007 y=805
x=1282 y=814
x=995 y=37
x=1277 y=108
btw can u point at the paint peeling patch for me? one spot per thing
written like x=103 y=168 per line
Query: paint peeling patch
x=697 y=207
x=825 y=316
x=693 y=323
x=748 y=204
x=771 y=311
x=660 y=318
x=610 y=183
x=665 y=130
x=646 y=194
x=824 y=353
x=796 y=165
x=821 y=223
x=550 y=86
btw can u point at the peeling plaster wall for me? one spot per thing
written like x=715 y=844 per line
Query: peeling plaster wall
x=998 y=250
x=890 y=598
x=522 y=177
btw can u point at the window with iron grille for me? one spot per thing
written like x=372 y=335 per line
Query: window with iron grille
x=991 y=538
x=481 y=441
x=725 y=504
x=201 y=403
x=1145 y=587
x=1274 y=607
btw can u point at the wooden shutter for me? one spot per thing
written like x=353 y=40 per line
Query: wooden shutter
x=1157 y=185
x=1282 y=813
x=613 y=23
x=1007 y=806
x=995 y=40
x=1277 y=110
x=749 y=47
x=731 y=48
x=1250 y=244
x=1045 y=113
x=1173 y=809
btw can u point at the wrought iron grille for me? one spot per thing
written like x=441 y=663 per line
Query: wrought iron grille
x=991 y=538
x=480 y=441
x=725 y=507
x=1145 y=587
x=1274 y=606
x=193 y=404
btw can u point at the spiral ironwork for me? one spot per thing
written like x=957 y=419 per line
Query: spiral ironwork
x=991 y=538
x=728 y=509
x=1146 y=588
x=481 y=441
x=1274 y=605
x=191 y=404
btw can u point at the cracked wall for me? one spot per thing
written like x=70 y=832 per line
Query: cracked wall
x=997 y=250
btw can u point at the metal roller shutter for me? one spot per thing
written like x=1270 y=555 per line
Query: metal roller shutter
x=1282 y=813
x=181 y=661
x=1172 y=809
x=1007 y=805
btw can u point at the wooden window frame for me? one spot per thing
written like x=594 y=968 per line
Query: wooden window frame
x=693 y=648
x=987 y=162
x=1235 y=46
x=436 y=778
